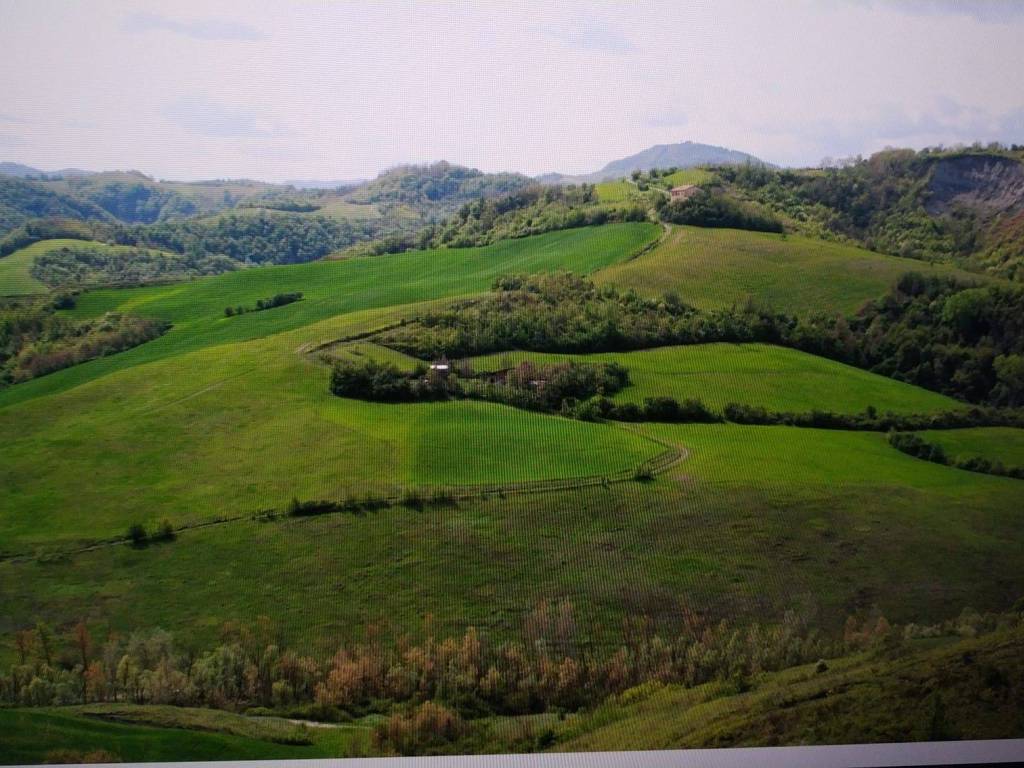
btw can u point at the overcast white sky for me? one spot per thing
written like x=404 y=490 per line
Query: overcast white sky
x=287 y=90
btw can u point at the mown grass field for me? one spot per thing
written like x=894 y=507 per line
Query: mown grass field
x=330 y=288
x=716 y=268
x=1004 y=444
x=755 y=374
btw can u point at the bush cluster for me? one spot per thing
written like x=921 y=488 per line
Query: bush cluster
x=277 y=300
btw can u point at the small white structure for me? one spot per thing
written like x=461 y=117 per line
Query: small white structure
x=442 y=367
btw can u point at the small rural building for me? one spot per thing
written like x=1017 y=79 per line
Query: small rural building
x=442 y=367
x=683 y=192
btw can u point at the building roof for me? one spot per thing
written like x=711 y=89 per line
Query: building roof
x=683 y=187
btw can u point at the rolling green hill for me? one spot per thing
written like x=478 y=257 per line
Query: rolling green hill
x=712 y=268
x=755 y=374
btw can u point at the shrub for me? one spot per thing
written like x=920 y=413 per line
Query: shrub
x=137 y=535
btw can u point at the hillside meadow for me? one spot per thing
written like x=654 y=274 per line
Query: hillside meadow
x=719 y=268
x=754 y=521
x=753 y=374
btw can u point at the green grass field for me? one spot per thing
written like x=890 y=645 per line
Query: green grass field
x=1004 y=444
x=755 y=374
x=755 y=520
x=200 y=434
x=715 y=268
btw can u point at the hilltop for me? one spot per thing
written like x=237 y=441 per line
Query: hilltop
x=685 y=154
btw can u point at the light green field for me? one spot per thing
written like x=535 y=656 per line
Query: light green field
x=755 y=374
x=1004 y=444
x=615 y=191
x=688 y=176
x=227 y=417
x=16 y=273
x=799 y=458
x=717 y=268
x=330 y=288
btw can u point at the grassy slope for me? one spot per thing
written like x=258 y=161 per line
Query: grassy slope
x=331 y=287
x=15 y=273
x=240 y=427
x=859 y=699
x=221 y=429
x=756 y=520
x=688 y=176
x=160 y=734
x=1004 y=444
x=758 y=374
x=714 y=268
x=615 y=191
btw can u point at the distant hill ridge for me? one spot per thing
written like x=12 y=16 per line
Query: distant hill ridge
x=685 y=154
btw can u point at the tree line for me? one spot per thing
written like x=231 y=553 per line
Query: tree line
x=277 y=300
x=432 y=690
x=960 y=339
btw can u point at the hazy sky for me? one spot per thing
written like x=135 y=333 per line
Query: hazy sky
x=339 y=90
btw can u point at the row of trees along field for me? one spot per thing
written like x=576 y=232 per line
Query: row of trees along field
x=552 y=667
x=960 y=339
